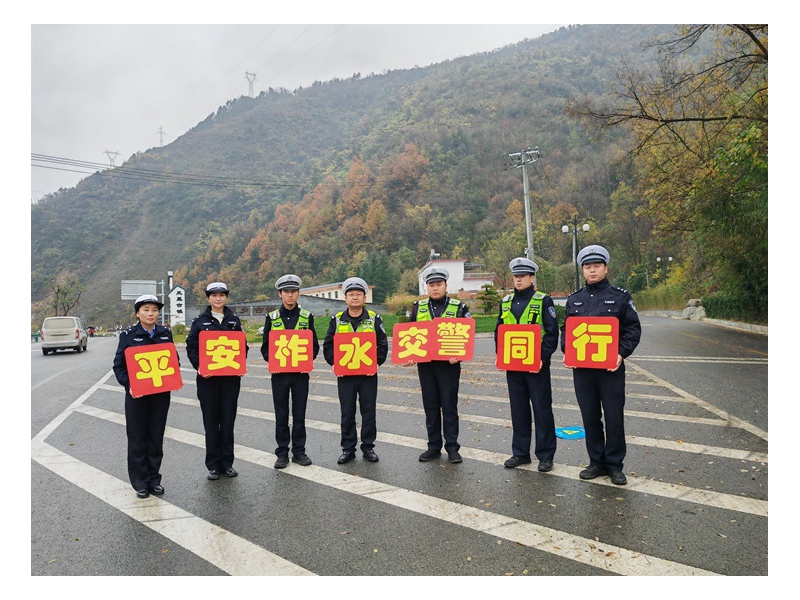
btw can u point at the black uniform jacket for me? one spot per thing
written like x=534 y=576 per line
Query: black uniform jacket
x=136 y=335
x=605 y=300
x=290 y=319
x=380 y=335
x=205 y=321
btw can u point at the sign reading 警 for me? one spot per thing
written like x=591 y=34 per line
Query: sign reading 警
x=153 y=369
x=440 y=339
x=291 y=351
x=592 y=342
x=222 y=353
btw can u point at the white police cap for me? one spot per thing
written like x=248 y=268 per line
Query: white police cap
x=215 y=287
x=147 y=299
x=523 y=266
x=288 y=282
x=435 y=274
x=593 y=254
x=354 y=283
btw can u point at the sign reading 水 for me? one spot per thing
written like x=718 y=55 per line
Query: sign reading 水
x=355 y=353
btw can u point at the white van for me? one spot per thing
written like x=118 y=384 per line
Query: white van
x=63 y=333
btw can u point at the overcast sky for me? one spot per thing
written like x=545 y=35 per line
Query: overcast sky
x=103 y=92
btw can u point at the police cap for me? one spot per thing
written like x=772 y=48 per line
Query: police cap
x=354 y=283
x=435 y=274
x=523 y=266
x=147 y=299
x=593 y=254
x=216 y=287
x=288 y=282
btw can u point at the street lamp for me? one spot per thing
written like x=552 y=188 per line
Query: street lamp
x=522 y=160
x=574 y=230
x=666 y=261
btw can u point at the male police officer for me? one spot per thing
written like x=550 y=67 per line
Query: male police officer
x=439 y=379
x=601 y=393
x=290 y=315
x=364 y=387
x=525 y=390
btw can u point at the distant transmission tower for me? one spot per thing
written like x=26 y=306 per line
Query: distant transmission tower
x=160 y=133
x=111 y=158
x=248 y=76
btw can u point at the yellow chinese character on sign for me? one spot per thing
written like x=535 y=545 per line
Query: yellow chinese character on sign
x=411 y=341
x=519 y=345
x=355 y=354
x=586 y=334
x=153 y=366
x=453 y=338
x=222 y=351
x=291 y=347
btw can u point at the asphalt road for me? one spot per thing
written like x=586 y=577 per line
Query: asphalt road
x=695 y=504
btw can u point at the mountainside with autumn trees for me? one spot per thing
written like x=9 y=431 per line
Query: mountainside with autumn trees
x=365 y=176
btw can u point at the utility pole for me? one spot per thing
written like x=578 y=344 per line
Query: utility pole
x=522 y=160
x=160 y=133
x=248 y=76
x=111 y=158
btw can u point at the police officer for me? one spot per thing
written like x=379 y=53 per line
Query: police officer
x=528 y=391
x=290 y=315
x=439 y=379
x=218 y=395
x=364 y=387
x=145 y=417
x=601 y=393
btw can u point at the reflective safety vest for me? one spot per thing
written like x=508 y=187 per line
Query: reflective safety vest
x=450 y=311
x=532 y=314
x=277 y=322
x=366 y=325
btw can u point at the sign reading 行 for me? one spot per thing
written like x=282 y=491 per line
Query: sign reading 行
x=291 y=351
x=153 y=369
x=519 y=348
x=440 y=339
x=592 y=342
x=222 y=353
x=355 y=353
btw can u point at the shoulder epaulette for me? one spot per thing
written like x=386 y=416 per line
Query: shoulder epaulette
x=507 y=297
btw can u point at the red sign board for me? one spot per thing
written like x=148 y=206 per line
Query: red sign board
x=519 y=348
x=355 y=353
x=222 y=353
x=592 y=342
x=153 y=369
x=440 y=339
x=291 y=351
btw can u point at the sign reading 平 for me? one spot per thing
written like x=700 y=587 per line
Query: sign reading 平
x=440 y=339
x=222 y=353
x=153 y=369
x=355 y=353
x=592 y=342
x=519 y=348
x=291 y=351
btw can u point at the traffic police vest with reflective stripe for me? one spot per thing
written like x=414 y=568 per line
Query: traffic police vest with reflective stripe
x=532 y=314
x=450 y=311
x=367 y=325
x=277 y=322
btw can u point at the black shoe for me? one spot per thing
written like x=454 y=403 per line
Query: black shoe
x=370 y=455
x=545 y=465
x=618 y=477
x=230 y=472
x=142 y=494
x=516 y=461
x=592 y=472
x=281 y=462
x=430 y=454
x=301 y=459
x=453 y=456
x=158 y=490
x=346 y=457
x=213 y=474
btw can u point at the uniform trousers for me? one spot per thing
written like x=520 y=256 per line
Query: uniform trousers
x=219 y=399
x=601 y=396
x=145 y=421
x=439 y=381
x=365 y=389
x=284 y=384
x=531 y=392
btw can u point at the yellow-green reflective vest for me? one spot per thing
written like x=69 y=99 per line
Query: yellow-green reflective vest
x=366 y=325
x=450 y=311
x=277 y=322
x=532 y=314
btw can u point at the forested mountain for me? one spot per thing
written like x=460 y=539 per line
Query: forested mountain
x=364 y=176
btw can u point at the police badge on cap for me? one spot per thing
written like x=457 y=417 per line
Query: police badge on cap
x=523 y=266
x=288 y=282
